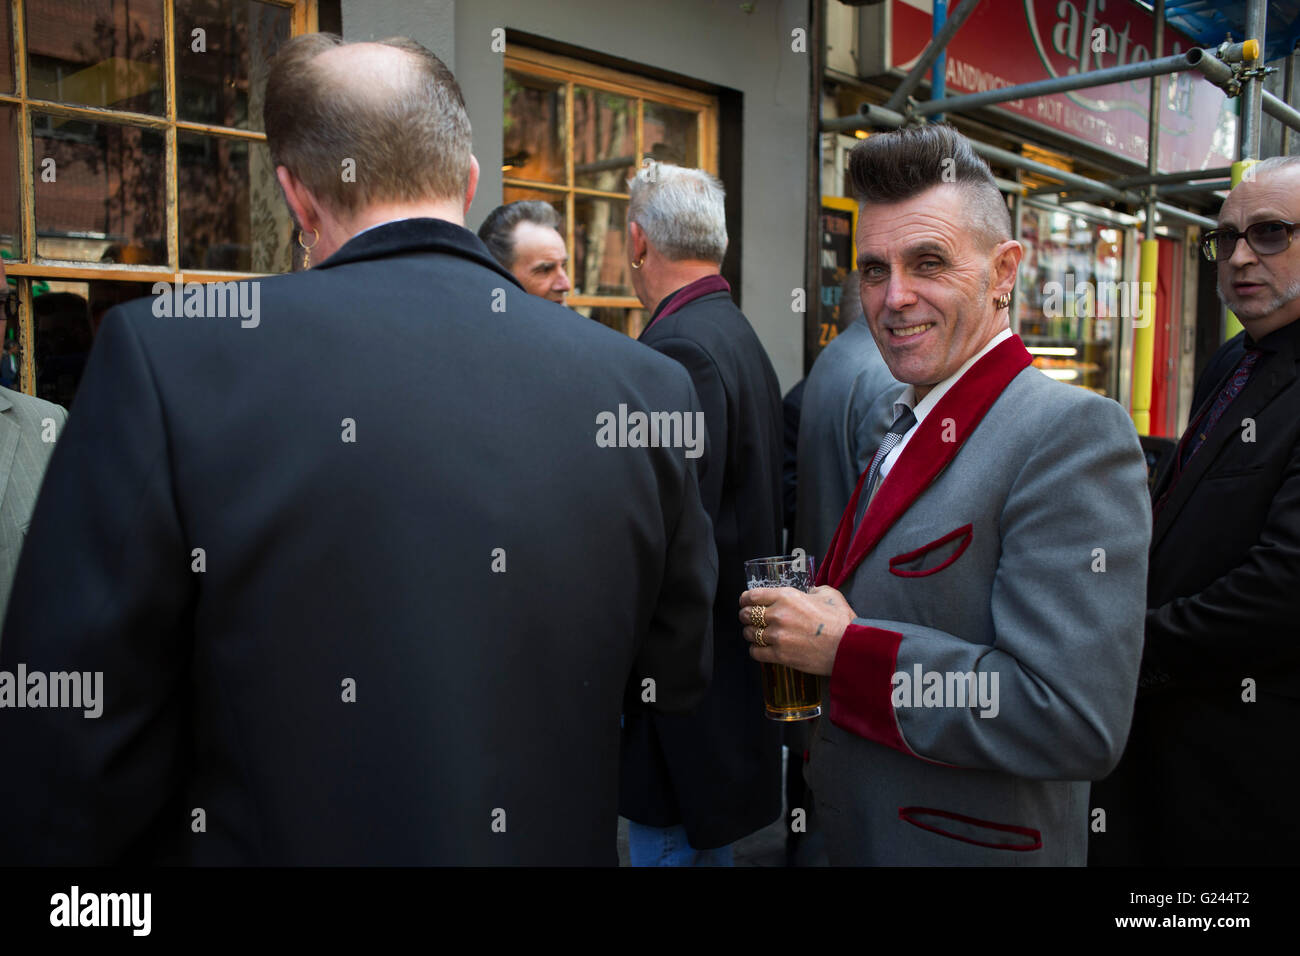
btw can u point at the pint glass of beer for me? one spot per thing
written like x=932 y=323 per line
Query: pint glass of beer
x=788 y=694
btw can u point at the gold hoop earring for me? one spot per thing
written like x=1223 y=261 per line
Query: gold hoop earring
x=637 y=263
x=306 y=249
x=1003 y=300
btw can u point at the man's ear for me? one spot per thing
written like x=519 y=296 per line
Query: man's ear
x=638 y=245
x=473 y=183
x=1006 y=261
x=300 y=200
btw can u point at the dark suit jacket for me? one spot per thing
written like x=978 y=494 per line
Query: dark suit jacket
x=1207 y=773
x=482 y=697
x=718 y=771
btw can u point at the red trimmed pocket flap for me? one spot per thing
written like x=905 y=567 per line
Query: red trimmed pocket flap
x=1008 y=836
x=933 y=557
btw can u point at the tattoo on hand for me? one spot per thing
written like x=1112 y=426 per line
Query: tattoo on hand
x=819 y=629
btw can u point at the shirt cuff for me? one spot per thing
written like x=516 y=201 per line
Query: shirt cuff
x=862 y=685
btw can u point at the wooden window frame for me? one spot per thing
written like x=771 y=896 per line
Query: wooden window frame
x=303 y=19
x=570 y=72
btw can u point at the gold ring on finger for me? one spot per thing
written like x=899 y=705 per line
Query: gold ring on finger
x=758 y=636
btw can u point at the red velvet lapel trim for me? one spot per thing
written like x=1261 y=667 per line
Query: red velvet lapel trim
x=689 y=293
x=925 y=456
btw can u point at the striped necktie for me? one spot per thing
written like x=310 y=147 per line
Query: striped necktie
x=902 y=425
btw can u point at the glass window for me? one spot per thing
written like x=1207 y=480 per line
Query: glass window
x=1072 y=298
x=223 y=48
x=574 y=133
x=10 y=233
x=534 y=129
x=128 y=153
x=6 y=48
x=106 y=53
x=99 y=191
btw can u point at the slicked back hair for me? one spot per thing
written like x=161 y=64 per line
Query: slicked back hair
x=901 y=164
x=498 y=229
x=405 y=132
x=681 y=210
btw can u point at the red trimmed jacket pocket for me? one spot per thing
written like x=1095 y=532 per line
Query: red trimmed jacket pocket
x=933 y=557
x=995 y=836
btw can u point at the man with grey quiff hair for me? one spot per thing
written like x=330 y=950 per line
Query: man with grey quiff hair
x=680 y=211
x=693 y=785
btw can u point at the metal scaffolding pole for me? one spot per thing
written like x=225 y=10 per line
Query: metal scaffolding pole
x=1279 y=110
x=1153 y=120
x=1288 y=92
x=931 y=53
x=1213 y=185
x=1191 y=175
x=1256 y=15
x=1161 y=179
x=1160 y=66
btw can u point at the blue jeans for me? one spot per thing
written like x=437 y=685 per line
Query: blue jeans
x=668 y=846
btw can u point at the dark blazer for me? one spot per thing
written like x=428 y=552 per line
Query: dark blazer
x=718 y=770
x=1207 y=772
x=484 y=728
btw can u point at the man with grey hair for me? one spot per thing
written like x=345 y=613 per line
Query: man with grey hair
x=692 y=785
x=524 y=237
x=979 y=614
x=1209 y=760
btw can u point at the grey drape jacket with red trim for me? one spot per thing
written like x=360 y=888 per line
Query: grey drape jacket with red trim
x=1005 y=553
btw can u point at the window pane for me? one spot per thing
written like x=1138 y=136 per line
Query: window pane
x=671 y=135
x=1071 y=303
x=232 y=218
x=600 y=244
x=222 y=51
x=533 y=141
x=97 y=53
x=100 y=196
x=604 y=139
x=6 y=47
x=65 y=318
x=514 y=194
x=10 y=230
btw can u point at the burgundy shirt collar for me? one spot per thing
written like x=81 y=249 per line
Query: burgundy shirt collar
x=689 y=293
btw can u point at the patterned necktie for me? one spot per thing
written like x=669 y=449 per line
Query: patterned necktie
x=1199 y=430
x=1197 y=435
x=902 y=425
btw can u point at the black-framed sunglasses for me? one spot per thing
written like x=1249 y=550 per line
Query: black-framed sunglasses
x=1266 y=238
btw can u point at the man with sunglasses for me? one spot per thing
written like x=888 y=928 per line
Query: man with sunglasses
x=1210 y=758
x=28 y=429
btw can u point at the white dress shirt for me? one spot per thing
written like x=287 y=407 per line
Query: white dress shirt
x=924 y=406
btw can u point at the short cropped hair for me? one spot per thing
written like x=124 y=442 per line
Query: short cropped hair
x=681 y=211
x=498 y=229
x=901 y=164
x=404 y=136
